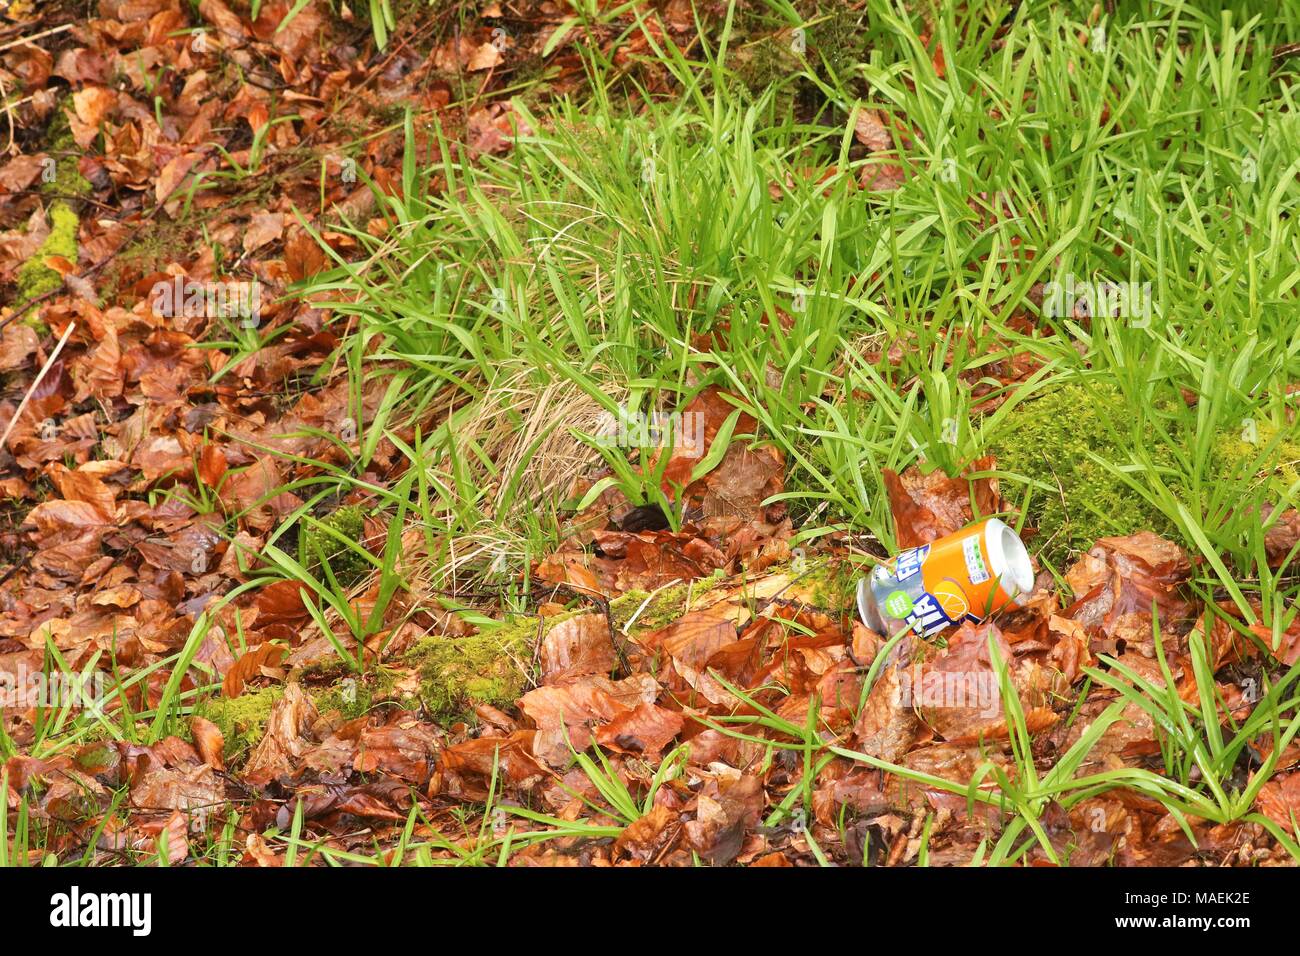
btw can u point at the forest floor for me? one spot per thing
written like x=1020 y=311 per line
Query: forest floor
x=452 y=434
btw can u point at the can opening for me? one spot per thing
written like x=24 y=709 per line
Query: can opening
x=867 y=607
x=1010 y=561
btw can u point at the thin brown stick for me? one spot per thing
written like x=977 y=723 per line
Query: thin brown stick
x=22 y=406
x=35 y=36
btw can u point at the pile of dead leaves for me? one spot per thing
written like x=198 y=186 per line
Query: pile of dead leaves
x=764 y=649
x=179 y=117
x=689 y=710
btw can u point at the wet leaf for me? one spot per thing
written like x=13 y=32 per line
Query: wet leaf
x=932 y=505
x=577 y=646
x=254 y=663
x=209 y=742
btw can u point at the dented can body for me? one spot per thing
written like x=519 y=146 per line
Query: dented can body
x=969 y=575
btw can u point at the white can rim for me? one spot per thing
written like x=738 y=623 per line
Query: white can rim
x=1009 y=560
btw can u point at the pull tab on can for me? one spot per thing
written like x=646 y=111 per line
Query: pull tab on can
x=969 y=575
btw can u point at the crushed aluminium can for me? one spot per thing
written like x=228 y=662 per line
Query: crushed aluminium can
x=969 y=575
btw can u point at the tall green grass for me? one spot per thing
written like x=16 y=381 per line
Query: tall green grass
x=639 y=255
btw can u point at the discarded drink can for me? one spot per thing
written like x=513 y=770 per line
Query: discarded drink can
x=968 y=575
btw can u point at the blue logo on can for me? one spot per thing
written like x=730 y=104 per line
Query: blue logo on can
x=928 y=616
x=909 y=562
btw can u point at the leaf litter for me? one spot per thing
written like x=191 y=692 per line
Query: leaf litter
x=698 y=726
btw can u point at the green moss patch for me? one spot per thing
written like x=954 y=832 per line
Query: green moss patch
x=664 y=607
x=242 y=719
x=1049 y=440
x=63 y=148
x=769 y=54
x=491 y=667
x=35 y=278
x=1270 y=458
x=353 y=695
x=495 y=666
x=347 y=564
x=832 y=584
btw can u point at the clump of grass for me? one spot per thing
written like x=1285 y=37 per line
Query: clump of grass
x=856 y=325
x=348 y=565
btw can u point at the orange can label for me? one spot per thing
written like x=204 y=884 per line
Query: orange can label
x=968 y=575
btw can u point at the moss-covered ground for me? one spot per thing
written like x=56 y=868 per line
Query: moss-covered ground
x=1063 y=453
x=62 y=191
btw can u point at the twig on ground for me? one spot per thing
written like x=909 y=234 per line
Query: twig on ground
x=34 y=37
x=63 y=340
